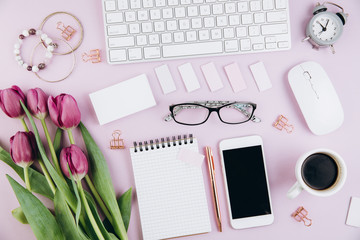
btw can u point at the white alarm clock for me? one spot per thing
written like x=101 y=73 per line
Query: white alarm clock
x=325 y=28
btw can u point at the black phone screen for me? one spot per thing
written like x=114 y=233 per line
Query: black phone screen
x=246 y=180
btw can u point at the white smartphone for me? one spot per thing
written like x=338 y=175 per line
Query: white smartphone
x=246 y=182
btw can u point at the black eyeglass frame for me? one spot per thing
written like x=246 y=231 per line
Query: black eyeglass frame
x=211 y=109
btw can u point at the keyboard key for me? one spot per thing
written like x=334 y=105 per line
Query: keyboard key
x=134 y=28
x=148 y=3
x=221 y=21
x=258 y=46
x=180 y=12
x=117 y=30
x=123 y=4
x=241 y=32
x=171 y=25
x=135 y=54
x=184 y=24
x=191 y=36
x=159 y=26
x=205 y=10
x=268 y=4
x=283 y=44
x=270 y=45
x=121 y=42
x=254 y=31
x=270 y=39
x=209 y=22
x=152 y=52
x=246 y=19
x=192 y=11
x=192 y=49
x=114 y=18
x=196 y=23
x=184 y=2
x=255 y=6
x=134 y=4
x=154 y=39
x=276 y=16
x=231 y=46
x=146 y=27
x=198 y=1
x=280 y=4
x=143 y=15
x=166 y=38
x=155 y=14
x=173 y=2
x=218 y=9
x=204 y=35
x=216 y=34
x=245 y=44
x=117 y=55
x=167 y=13
x=110 y=6
x=230 y=7
x=179 y=37
x=130 y=16
x=259 y=18
x=229 y=33
x=243 y=7
x=141 y=40
x=234 y=20
x=274 y=29
x=160 y=3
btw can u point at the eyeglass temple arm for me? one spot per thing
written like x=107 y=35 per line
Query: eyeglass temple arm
x=168 y=117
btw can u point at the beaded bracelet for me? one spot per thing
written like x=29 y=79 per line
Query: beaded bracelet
x=49 y=49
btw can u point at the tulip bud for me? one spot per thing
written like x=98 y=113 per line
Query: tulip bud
x=23 y=148
x=77 y=161
x=36 y=102
x=10 y=102
x=64 y=111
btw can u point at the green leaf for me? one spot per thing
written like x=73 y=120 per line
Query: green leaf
x=58 y=179
x=57 y=141
x=102 y=181
x=124 y=202
x=37 y=180
x=66 y=219
x=78 y=206
x=93 y=209
x=42 y=222
x=19 y=215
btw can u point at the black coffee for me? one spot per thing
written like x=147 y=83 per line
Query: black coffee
x=319 y=171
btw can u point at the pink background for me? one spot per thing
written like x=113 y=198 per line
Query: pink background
x=281 y=149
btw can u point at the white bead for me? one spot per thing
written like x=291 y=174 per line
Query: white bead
x=50 y=48
x=35 y=69
x=21 y=62
x=20 y=41
x=17 y=45
x=43 y=36
x=17 y=51
x=48 y=40
x=25 y=65
x=38 y=32
x=18 y=58
x=25 y=33
x=48 y=55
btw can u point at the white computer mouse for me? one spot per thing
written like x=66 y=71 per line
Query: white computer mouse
x=317 y=98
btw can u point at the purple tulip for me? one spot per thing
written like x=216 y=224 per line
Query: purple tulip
x=10 y=102
x=23 y=148
x=36 y=102
x=77 y=161
x=64 y=111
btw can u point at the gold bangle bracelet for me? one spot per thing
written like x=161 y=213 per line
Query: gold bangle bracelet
x=76 y=19
x=72 y=67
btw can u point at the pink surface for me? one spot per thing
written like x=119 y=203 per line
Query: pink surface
x=281 y=149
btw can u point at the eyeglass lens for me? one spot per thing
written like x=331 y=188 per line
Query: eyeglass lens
x=197 y=114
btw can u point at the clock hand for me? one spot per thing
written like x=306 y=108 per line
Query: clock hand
x=323 y=28
x=326 y=24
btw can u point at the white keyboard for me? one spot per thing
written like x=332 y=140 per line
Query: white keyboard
x=153 y=30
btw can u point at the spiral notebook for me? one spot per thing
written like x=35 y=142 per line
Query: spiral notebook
x=170 y=192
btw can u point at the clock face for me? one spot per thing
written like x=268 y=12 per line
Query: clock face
x=326 y=27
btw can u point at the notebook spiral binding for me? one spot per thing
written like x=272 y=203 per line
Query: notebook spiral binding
x=163 y=143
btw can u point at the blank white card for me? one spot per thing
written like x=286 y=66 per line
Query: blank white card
x=122 y=99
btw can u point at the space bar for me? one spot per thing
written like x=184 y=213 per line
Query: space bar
x=191 y=49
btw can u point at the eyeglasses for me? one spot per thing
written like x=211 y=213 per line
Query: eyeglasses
x=197 y=113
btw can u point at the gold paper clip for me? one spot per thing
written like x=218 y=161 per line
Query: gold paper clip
x=66 y=32
x=117 y=142
x=300 y=215
x=282 y=123
x=93 y=56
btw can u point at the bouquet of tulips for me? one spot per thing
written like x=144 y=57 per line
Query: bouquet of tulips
x=75 y=214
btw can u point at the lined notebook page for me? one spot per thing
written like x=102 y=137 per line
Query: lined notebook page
x=171 y=193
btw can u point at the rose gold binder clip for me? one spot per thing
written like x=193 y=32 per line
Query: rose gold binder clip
x=300 y=215
x=93 y=56
x=66 y=32
x=282 y=123
x=117 y=142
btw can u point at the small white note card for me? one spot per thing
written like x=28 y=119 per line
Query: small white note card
x=353 y=217
x=189 y=77
x=165 y=79
x=122 y=99
x=212 y=76
x=261 y=77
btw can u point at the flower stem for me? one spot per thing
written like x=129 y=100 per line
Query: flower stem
x=71 y=137
x=24 y=124
x=26 y=176
x=47 y=176
x=98 y=198
x=88 y=211
x=51 y=146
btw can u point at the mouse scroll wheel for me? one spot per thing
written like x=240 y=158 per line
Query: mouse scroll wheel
x=307 y=75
